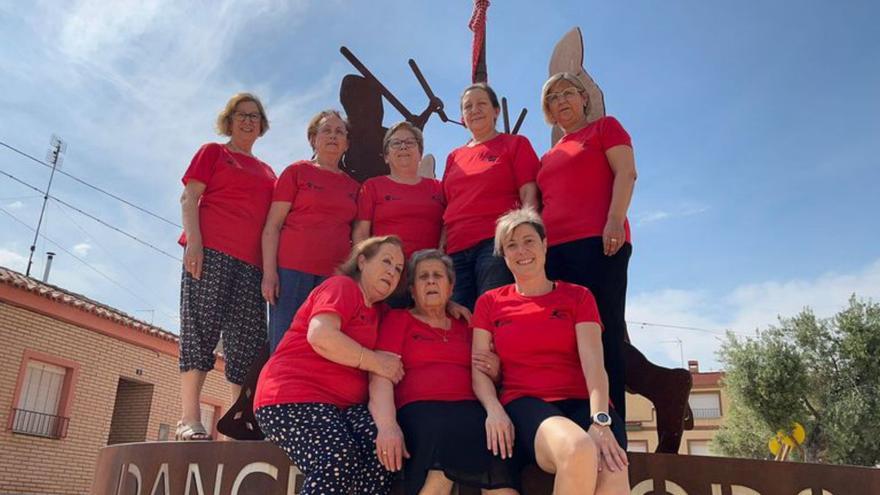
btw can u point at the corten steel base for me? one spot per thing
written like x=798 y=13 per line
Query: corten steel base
x=255 y=467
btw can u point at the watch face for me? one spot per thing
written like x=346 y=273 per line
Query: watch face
x=603 y=419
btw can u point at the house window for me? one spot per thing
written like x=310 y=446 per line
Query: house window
x=42 y=396
x=705 y=405
x=699 y=447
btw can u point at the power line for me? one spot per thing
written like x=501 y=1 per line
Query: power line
x=682 y=327
x=89 y=215
x=84 y=262
x=109 y=253
x=96 y=188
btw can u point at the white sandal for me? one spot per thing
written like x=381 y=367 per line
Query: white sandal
x=193 y=431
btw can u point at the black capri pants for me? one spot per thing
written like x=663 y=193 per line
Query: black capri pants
x=226 y=301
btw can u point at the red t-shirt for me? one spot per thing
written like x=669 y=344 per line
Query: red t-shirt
x=436 y=369
x=412 y=212
x=576 y=182
x=481 y=183
x=296 y=373
x=536 y=341
x=316 y=236
x=233 y=208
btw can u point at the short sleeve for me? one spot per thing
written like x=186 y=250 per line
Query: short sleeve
x=612 y=134
x=586 y=310
x=338 y=295
x=437 y=189
x=392 y=331
x=286 y=187
x=202 y=166
x=367 y=200
x=443 y=184
x=483 y=316
x=525 y=162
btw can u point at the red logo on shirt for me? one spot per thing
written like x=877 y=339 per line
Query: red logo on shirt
x=389 y=197
x=312 y=186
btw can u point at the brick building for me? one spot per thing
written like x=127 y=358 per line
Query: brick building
x=76 y=376
x=708 y=403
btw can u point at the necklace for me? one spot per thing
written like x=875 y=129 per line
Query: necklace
x=443 y=333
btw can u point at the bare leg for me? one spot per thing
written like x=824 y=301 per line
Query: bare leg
x=191 y=383
x=436 y=483
x=563 y=448
x=613 y=482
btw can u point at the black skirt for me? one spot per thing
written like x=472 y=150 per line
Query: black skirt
x=451 y=437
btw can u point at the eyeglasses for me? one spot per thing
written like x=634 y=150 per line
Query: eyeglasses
x=567 y=93
x=399 y=144
x=253 y=117
x=329 y=131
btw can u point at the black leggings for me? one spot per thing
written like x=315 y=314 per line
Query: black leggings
x=583 y=262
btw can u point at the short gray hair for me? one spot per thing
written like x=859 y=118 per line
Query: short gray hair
x=507 y=223
x=416 y=132
x=427 y=255
x=555 y=78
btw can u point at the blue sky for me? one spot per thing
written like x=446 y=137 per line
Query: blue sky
x=754 y=125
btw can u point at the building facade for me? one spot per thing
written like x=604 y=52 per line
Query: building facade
x=708 y=403
x=76 y=376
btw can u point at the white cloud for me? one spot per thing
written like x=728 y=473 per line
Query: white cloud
x=743 y=309
x=82 y=249
x=13 y=260
x=683 y=210
x=652 y=216
x=15 y=205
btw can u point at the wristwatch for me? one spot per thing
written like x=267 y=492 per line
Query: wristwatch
x=602 y=418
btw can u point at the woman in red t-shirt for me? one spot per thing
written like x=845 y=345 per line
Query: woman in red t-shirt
x=402 y=202
x=226 y=195
x=554 y=390
x=586 y=182
x=311 y=395
x=486 y=177
x=432 y=417
x=308 y=229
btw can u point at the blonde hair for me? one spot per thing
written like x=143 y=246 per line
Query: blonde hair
x=507 y=223
x=416 y=132
x=224 y=119
x=555 y=78
x=315 y=123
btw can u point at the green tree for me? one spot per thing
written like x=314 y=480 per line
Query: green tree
x=822 y=373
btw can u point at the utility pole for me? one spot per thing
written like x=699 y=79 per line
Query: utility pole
x=678 y=341
x=56 y=148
